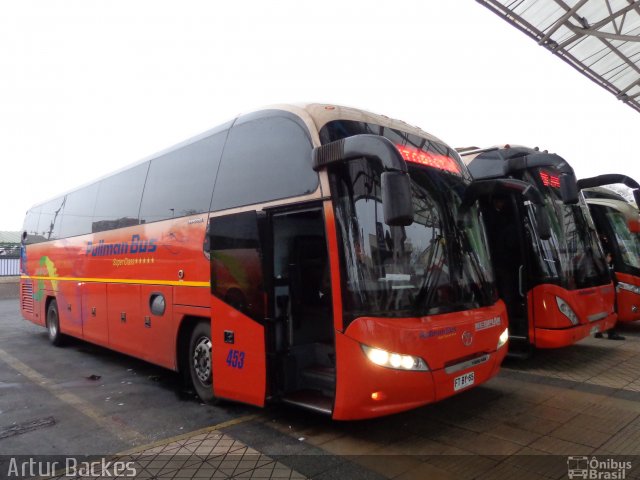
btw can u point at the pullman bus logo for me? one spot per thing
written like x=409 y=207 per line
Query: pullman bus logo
x=136 y=245
x=467 y=338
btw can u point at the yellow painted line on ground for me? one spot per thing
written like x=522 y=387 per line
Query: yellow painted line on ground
x=183 y=436
x=115 y=427
x=173 y=283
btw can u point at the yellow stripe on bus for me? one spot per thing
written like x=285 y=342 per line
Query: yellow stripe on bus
x=178 y=283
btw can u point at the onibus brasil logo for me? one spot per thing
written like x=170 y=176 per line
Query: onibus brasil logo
x=596 y=469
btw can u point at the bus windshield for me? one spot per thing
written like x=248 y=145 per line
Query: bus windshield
x=438 y=264
x=628 y=243
x=572 y=256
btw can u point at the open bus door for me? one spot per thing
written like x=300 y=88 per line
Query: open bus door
x=271 y=307
x=238 y=308
x=506 y=238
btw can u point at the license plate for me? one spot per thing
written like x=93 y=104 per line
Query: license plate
x=463 y=381
x=594 y=329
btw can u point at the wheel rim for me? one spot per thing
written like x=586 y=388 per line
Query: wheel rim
x=202 y=360
x=52 y=324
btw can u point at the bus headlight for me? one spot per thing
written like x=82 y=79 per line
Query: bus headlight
x=628 y=287
x=396 y=361
x=504 y=336
x=567 y=311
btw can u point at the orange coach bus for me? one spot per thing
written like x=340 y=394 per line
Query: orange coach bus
x=618 y=224
x=553 y=277
x=317 y=255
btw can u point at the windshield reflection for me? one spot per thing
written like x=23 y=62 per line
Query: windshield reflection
x=572 y=257
x=438 y=264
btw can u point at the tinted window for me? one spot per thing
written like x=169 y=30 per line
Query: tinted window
x=78 y=211
x=31 y=225
x=50 y=219
x=236 y=263
x=181 y=182
x=267 y=157
x=118 y=199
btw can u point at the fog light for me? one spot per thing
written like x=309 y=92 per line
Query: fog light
x=378 y=396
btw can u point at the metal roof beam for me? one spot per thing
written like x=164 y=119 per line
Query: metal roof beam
x=561 y=21
x=599 y=34
x=632 y=6
x=506 y=9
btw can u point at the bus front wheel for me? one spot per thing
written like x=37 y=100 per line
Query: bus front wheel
x=200 y=362
x=53 y=324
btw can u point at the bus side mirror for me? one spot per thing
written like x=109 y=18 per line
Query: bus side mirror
x=396 y=186
x=568 y=188
x=636 y=196
x=396 y=199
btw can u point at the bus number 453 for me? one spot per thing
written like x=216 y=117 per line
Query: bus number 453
x=235 y=359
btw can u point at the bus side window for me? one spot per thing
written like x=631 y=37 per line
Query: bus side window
x=78 y=211
x=118 y=201
x=30 y=227
x=51 y=219
x=181 y=182
x=267 y=157
x=236 y=263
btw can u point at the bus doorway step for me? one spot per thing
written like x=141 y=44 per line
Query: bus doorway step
x=321 y=378
x=520 y=348
x=311 y=400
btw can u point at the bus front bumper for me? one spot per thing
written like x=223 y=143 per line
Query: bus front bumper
x=563 y=337
x=365 y=390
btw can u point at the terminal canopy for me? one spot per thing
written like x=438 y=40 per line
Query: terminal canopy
x=600 y=38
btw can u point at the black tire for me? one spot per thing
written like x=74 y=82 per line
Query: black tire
x=53 y=324
x=199 y=362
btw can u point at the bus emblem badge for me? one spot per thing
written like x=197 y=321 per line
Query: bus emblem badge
x=467 y=338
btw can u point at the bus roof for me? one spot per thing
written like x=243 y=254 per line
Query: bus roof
x=314 y=115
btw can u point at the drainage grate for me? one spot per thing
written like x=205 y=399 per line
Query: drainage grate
x=26 y=427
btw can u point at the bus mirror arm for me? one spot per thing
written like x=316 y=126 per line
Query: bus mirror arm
x=485 y=188
x=395 y=182
x=609 y=179
x=568 y=183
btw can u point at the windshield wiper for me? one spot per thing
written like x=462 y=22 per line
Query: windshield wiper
x=425 y=294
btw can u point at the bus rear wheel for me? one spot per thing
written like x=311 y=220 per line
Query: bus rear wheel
x=53 y=324
x=200 y=362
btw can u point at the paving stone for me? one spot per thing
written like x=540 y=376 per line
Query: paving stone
x=541 y=426
x=425 y=470
x=582 y=435
x=389 y=465
x=463 y=466
x=513 y=434
x=506 y=471
x=539 y=462
x=608 y=425
x=349 y=446
x=415 y=446
x=558 y=446
x=548 y=412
